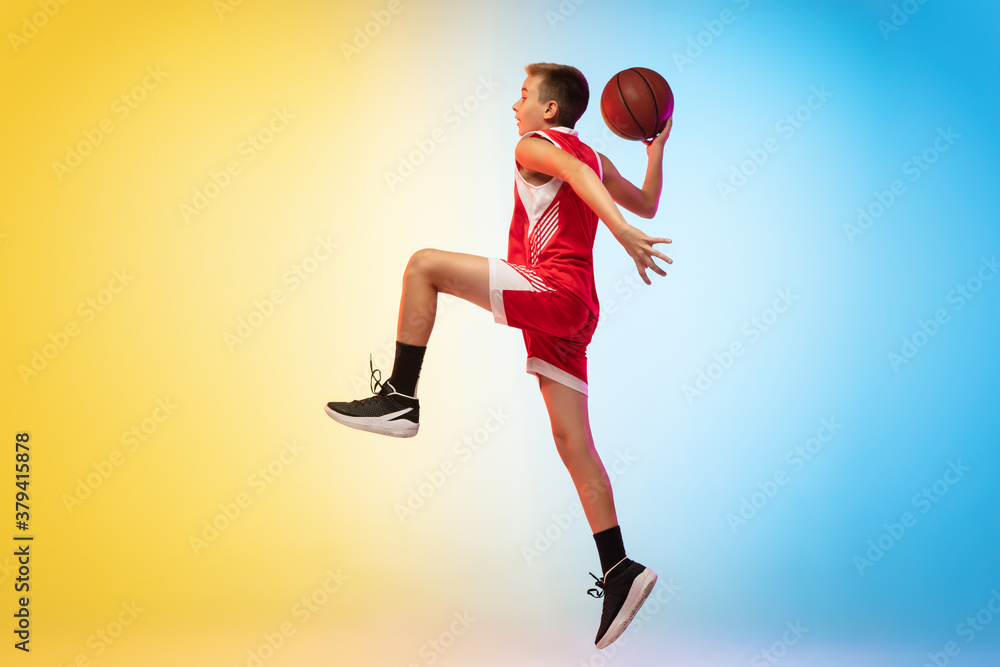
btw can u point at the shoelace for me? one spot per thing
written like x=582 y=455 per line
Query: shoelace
x=593 y=592
x=375 y=384
x=374 y=381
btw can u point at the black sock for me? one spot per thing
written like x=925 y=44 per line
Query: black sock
x=610 y=547
x=406 y=367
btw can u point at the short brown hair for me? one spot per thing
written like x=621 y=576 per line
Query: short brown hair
x=566 y=86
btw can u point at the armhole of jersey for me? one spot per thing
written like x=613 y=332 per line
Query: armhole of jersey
x=517 y=165
x=600 y=165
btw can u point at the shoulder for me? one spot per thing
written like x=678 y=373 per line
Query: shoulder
x=535 y=143
x=538 y=135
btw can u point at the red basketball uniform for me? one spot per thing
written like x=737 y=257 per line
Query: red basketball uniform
x=546 y=286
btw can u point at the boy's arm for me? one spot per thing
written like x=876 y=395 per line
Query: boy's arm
x=646 y=201
x=540 y=155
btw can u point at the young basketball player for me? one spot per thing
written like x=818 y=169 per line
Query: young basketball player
x=545 y=288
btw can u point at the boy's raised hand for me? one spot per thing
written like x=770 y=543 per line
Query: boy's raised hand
x=656 y=143
x=640 y=248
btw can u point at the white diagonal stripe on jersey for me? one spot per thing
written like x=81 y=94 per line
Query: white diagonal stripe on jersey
x=548 y=216
x=545 y=220
x=543 y=231
x=543 y=241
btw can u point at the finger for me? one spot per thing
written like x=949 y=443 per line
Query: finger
x=663 y=257
x=642 y=272
x=656 y=267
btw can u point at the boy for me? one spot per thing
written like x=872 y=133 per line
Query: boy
x=546 y=289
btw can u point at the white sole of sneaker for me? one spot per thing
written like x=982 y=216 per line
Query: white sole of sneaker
x=637 y=594
x=405 y=429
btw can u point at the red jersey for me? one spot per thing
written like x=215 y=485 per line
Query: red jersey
x=552 y=231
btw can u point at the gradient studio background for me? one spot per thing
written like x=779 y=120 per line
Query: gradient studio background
x=225 y=250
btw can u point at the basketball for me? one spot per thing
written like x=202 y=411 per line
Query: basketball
x=636 y=103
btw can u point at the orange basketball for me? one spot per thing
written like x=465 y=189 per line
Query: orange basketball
x=636 y=103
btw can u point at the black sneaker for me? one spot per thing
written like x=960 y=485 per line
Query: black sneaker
x=387 y=412
x=623 y=593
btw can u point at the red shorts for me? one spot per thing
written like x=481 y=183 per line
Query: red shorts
x=557 y=326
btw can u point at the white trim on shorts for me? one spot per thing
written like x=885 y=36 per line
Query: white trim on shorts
x=537 y=366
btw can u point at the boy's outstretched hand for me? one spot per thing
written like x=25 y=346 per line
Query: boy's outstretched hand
x=640 y=248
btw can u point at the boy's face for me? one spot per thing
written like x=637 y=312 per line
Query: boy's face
x=530 y=112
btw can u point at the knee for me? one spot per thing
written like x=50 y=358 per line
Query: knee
x=421 y=262
x=571 y=446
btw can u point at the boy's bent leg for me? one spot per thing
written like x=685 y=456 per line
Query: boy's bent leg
x=395 y=410
x=430 y=271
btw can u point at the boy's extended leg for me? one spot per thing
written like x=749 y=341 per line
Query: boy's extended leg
x=395 y=410
x=570 y=421
x=625 y=584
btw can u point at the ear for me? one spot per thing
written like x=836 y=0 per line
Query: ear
x=551 y=110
